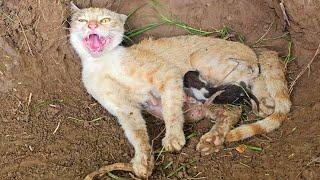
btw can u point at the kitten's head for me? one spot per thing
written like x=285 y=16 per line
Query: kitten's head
x=95 y=30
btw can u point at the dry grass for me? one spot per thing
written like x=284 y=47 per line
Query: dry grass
x=106 y=169
x=307 y=67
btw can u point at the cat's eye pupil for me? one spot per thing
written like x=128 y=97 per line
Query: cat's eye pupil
x=82 y=20
x=105 y=20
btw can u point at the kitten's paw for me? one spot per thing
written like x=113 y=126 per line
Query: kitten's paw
x=143 y=165
x=210 y=142
x=174 y=142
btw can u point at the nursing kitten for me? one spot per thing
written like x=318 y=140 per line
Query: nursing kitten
x=200 y=89
x=199 y=92
x=120 y=79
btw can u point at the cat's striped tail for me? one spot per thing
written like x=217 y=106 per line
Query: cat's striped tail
x=273 y=73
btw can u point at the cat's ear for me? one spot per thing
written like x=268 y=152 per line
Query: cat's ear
x=123 y=18
x=73 y=7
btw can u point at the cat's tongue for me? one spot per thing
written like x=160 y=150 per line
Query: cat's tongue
x=96 y=43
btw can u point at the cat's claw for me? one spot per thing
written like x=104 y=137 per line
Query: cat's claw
x=143 y=165
x=210 y=142
x=174 y=142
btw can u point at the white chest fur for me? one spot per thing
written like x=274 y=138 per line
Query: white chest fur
x=96 y=72
x=106 y=75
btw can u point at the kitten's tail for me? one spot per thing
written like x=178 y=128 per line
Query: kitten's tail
x=273 y=73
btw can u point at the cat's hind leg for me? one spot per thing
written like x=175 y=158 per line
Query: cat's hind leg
x=226 y=116
x=273 y=72
x=266 y=102
x=272 y=91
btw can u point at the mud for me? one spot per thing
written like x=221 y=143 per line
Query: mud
x=52 y=129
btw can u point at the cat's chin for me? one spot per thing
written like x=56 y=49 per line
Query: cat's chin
x=96 y=54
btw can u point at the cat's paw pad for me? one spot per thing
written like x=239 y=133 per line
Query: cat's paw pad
x=143 y=165
x=209 y=143
x=174 y=142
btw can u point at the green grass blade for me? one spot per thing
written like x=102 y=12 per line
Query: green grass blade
x=127 y=40
x=160 y=153
x=139 y=31
x=76 y=119
x=254 y=148
x=112 y=176
x=182 y=167
x=191 y=135
x=47 y=103
x=168 y=165
x=134 y=11
x=184 y=26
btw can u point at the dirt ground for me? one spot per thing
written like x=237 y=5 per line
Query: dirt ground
x=50 y=128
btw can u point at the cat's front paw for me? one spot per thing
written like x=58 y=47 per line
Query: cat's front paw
x=143 y=165
x=174 y=142
x=210 y=142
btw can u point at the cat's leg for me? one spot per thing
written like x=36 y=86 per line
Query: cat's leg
x=266 y=103
x=136 y=132
x=131 y=120
x=273 y=72
x=270 y=87
x=168 y=82
x=275 y=84
x=172 y=98
x=225 y=117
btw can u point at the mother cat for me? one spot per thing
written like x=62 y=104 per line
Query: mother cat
x=121 y=79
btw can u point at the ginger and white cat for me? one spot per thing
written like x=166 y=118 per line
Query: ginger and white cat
x=121 y=79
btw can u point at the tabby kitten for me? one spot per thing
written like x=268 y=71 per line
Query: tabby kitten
x=121 y=79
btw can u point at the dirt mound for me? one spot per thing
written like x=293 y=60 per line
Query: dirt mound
x=304 y=23
x=51 y=129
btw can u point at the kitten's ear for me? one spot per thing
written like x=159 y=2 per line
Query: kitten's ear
x=73 y=7
x=123 y=18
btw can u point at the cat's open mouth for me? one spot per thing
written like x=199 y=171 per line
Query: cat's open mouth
x=96 y=43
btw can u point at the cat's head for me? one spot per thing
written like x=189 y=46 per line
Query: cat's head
x=95 y=31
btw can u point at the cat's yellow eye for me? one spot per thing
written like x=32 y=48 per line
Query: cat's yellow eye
x=82 y=20
x=105 y=20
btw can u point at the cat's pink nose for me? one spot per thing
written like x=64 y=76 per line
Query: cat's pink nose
x=92 y=25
